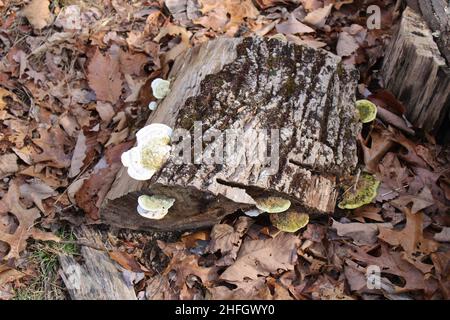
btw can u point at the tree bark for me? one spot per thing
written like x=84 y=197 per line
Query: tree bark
x=436 y=14
x=415 y=71
x=254 y=84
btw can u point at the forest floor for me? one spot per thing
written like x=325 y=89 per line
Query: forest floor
x=75 y=86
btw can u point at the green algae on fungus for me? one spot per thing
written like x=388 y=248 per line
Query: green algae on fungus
x=364 y=192
x=272 y=204
x=154 y=207
x=367 y=110
x=289 y=221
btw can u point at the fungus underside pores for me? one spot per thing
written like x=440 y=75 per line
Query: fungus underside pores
x=155 y=206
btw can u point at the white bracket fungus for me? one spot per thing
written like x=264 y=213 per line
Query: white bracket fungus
x=154 y=207
x=160 y=88
x=152 y=105
x=151 y=152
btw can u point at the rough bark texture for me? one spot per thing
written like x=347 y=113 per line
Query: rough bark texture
x=417 y=74
x=253 y=84
x=97 y=278
x=436 y=13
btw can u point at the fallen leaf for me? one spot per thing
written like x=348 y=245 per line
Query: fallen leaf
x=318 y=17
x=393 y=263
x=104 y=77
x=421 y=201
x=410 y=237
x=346 y=44
x=69 y=18
x=126 y=260
x=8 y=165
x=262 y=257
x=253 y=289
x=38 y=13
x=37 y=191
x=361 y=233
x=94 y=189
x=228 y=239
x=293 y=26
x=17 y=240
x=52 y=142
x=443 y=236
x=185 y=264
x=78 y=156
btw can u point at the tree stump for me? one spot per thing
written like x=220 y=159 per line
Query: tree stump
x=249 y=84
x=415 y=71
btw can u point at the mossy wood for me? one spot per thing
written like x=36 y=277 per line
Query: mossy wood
x=253 y=84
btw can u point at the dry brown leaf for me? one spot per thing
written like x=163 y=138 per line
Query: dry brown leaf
x=370 y=212
x=105 y=111
x=318 y=17
x=421 y=201
x=132 y=63
x=228 y=239
x=37 y=191
x=361 y=233
x=246 y=290
x=8 y=165
x=346 y=44
x=190 y=240
x=443 y=236
x=10 y=275
x=411 y=237
x=310 y=5
x=185 y=264
x=52 y=143
x=262 y=257
x=126 y=260
x=293 y=26
x=90 y=196
x=26 y=217
x=78 y=156
x=38 y=13
x=373 y=153
x=104 y=77
x=393 y=263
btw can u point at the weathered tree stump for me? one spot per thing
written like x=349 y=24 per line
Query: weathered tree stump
x=249 y=84
x=416 y=72
x=96 y=278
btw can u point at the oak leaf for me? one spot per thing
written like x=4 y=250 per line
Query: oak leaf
x=104 y=77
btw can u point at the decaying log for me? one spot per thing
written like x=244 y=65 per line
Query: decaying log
x=249 y=83
x=97 y=278
x=415 y=71
x=436 y=14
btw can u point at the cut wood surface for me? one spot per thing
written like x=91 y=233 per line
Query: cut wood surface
x=254 y=84
x=97 y=277
x=418 y=75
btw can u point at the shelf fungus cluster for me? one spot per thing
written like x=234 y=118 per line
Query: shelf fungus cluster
x=160 y=88
x=149 y=155
x=281 y=216
x=154 y=207
x=367 y=110
x=360 y=194
x=151 y=152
